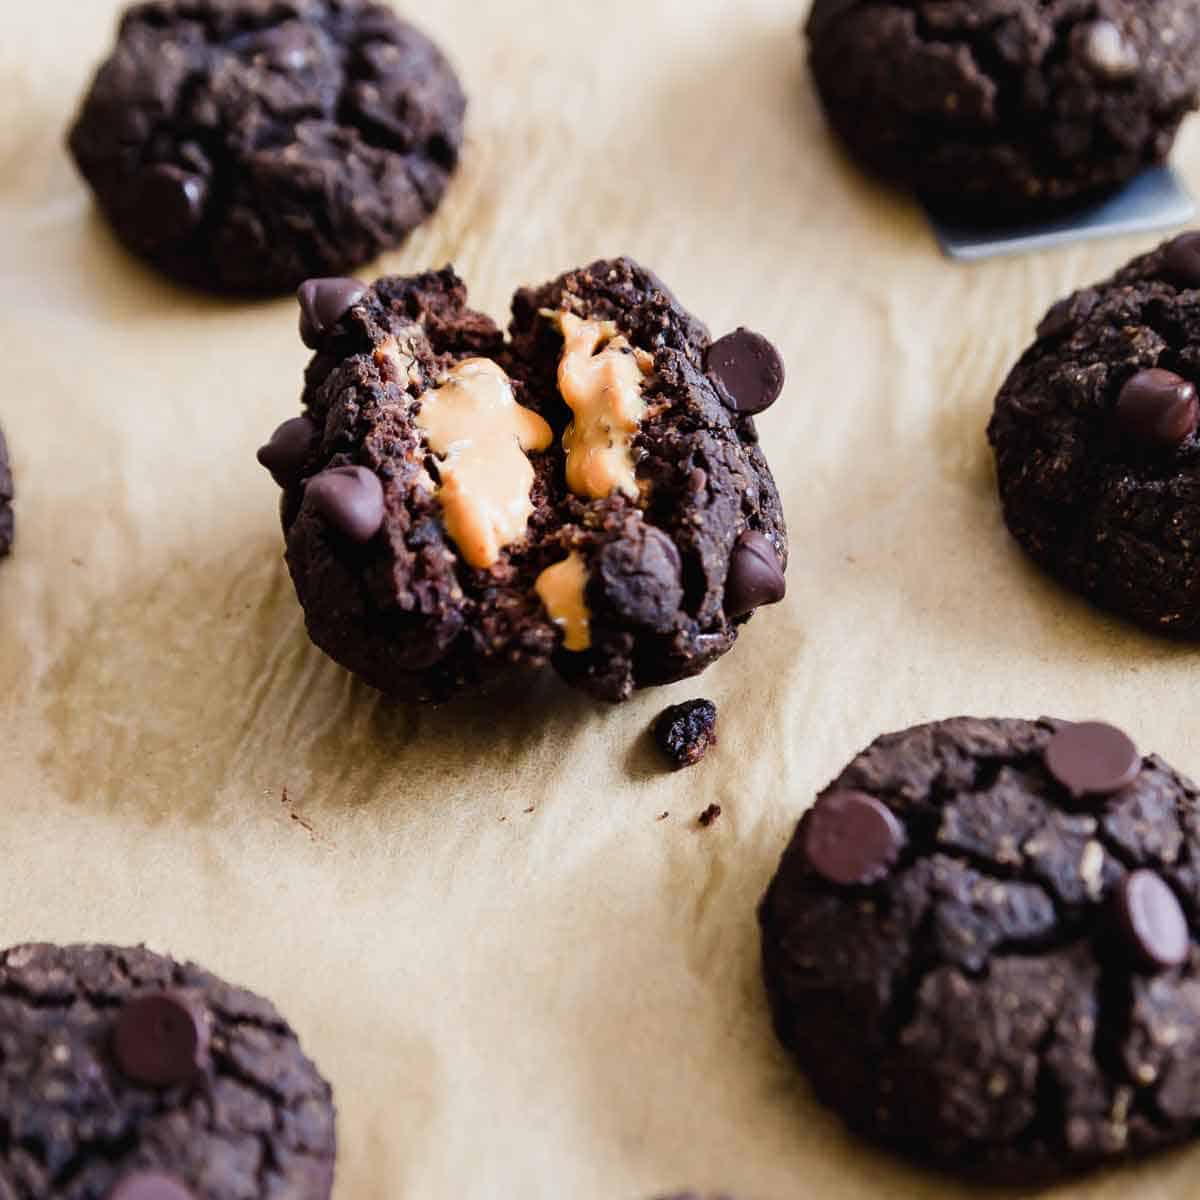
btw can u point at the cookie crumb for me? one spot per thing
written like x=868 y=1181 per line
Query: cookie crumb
x=709 y=815
x=684 y=732
x=662 y=816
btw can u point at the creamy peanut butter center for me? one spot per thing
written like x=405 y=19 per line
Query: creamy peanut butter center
x=480 y=435
x=600 y=376
x=561 y=590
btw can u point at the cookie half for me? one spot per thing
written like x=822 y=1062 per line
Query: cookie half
x=993 y=108
x=1095 y=437
x=127 y=1076
x=588 y=492
x=243 y=147
x=980 y=946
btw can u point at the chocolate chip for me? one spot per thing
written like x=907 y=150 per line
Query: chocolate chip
x=850 y=838
x=149 y=1185
x=1158 y=408
x=1150 y=917
x=172 y=203
x=323 y=303
x=1182 y=260
x=749 y=367
x=1092 y=759
x=754 y=578
x=287 y=451
x=160 y=1039
x=350 y=499
x=685 y=732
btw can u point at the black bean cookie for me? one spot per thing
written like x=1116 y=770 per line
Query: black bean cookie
x=245 y=145
x=980 y=946
x=991 y=108
x=126 y=1076
x=6 y=499
x=589 y=492
x=1094 y=431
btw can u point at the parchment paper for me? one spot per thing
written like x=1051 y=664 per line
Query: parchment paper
x=520 y=980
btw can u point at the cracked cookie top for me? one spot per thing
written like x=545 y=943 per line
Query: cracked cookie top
x=588 y=491
x=980 y=946
x=125 y=1074
x=990 y=107
x=1095 y=437
x=245 y=145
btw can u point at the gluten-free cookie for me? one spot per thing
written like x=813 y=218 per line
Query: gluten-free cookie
x=127 y=1076
x=6 y=499
x=244 y=147
x=980 y=946
x=588 y=492
x=990 y=108
x=1095 y=437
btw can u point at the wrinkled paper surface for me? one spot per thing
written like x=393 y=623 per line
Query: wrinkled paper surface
x=521 y=977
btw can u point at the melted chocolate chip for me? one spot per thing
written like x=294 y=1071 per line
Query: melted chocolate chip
x=1152 y=921
x=1158 y=408
x=1092 y=759
x=851 y=838
x=149 y=1185
x=1182 y=260
x=323 y=303
x=160 y=1039
x=172 y=202
x=755 y=577
x=749 y=367
x=287 y=451
x=350 y=499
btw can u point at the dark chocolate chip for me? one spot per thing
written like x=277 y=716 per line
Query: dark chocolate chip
x=323 y=303
x=684 y=732
x=149 y=1185
x=1150 y=917
x=1158 y=408
x=287 y=451
x=850 y=838
x=350 y=499
x=1182 y=260
x=160 y=1039
x=1092 y=759
x=749 y=367
x=172 y=203
x=754 y=578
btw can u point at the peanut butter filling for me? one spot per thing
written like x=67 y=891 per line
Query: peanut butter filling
x=480 y=435
x=600 y=376
x=561 y=590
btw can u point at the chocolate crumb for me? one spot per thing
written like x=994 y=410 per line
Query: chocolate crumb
x=684 y=732
x=662 y=816
x=709 y=815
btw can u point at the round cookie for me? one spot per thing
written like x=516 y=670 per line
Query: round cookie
x=243 y=147
x=993 y=108
x=126 y=1076
x=980 y=946
x=1094 y=432
x=450 y=519
x=6 y=499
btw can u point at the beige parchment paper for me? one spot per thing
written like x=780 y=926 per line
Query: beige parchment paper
x=521 y=981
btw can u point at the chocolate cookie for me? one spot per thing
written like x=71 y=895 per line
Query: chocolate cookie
x=980 y=946
x=126 y=1076
x=1094 y=431
x=6 y=499
x=990 y=108
x=589 y=492
x=243 y=146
